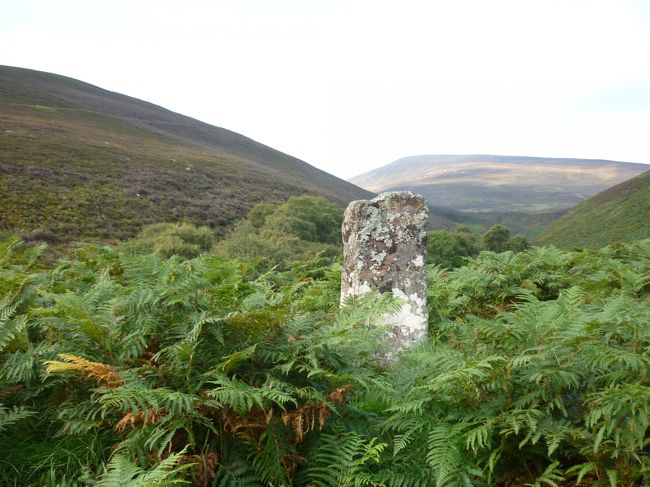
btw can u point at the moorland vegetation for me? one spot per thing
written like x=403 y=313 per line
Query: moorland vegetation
x=78 y=162
x=176 y=357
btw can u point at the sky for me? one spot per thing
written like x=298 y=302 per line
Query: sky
x=349 y=86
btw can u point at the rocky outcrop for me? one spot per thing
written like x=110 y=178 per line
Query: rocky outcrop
x=384 y=242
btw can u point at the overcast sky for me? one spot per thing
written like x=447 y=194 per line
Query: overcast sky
x=352 y=85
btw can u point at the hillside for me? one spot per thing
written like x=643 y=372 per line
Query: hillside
x=529 y=224
x=481 y=183
x=441 y=218
x=80 y=162
x=619 y=214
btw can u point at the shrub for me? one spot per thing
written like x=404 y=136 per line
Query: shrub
x=167 y=239
x=274 y=235
x=311 y=218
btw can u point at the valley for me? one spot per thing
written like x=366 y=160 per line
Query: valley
x=189 y=328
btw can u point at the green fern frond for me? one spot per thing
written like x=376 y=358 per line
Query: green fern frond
x=130 y=398
x=121 y=472
x=551 y=475
x=236 y=474
x=10 y=416
x=341 y=461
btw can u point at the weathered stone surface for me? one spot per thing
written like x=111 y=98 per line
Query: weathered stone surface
x=384 y=242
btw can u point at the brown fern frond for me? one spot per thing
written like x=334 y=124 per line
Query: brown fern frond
x=338 y=396
x=248 y=427
x=140 y=418
x=105 y=374
x=205 y=467
x=304 y=419
x=10 y=391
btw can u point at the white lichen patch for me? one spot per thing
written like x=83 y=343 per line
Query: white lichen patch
x=418 y=261
x=379 y=258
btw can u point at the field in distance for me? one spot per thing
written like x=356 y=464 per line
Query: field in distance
x=492 y=183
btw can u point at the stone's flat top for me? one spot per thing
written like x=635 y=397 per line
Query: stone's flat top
x=397 y=194
x=390 y=196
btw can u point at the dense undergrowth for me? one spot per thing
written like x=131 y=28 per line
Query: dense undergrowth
x=124 y=370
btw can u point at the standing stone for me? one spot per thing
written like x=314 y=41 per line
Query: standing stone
x=384 y=242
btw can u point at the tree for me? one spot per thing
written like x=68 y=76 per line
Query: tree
x=443 y=249
x=311 y=218
x=496 y=238
x=518 y=243
x=258 y=214
x=468 y=241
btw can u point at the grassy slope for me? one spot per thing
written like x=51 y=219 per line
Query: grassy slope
x=81 y=163
x=528 y=224
x=621 y=213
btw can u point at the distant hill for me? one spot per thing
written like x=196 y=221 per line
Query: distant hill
x=621 y=213
x=80 y=162
x=488 y=183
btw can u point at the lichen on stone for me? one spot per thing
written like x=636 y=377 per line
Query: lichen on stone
x=384 y=242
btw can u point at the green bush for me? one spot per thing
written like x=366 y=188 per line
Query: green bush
x=311 y=218
x=497 y=239
x=450 y=249
x=275 y=235
x=167 y=239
